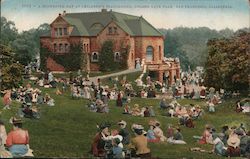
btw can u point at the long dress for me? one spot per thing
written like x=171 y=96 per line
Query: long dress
x=119 y=100
x=6 y=99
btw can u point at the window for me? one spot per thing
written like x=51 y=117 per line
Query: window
x=149 y=53
x=110 y=30
x=84 y=47
x=94 y=57
x=159 y=52
x=87 y=50
x=60 y=32
x=60 y=47
x=66 y=47
x=55 y=47
x=56 y=31
x=117 y=56
x=65 y=31
x=115 y=30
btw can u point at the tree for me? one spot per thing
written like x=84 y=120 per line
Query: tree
x=227 y=63
x=105 y=57
x=27 y=44
x=11 y=71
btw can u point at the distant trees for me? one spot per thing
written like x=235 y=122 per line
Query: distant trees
x=8 y=31
x=227 y=65
x=26 y=44
x=189 y=44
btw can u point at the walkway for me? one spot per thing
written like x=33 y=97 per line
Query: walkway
x=94 y=79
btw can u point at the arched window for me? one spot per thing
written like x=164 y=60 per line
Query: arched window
x=149 y=53
x=84 y=47
x=66 y=47
x=60 y=47
x=55 y=47
x=117 y=56
x=94 y=57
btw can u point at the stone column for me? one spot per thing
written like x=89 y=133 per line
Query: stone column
x=178 y=73
x=170 y=77
x=160 y=76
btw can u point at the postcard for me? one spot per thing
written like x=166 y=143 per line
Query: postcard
x=125 y=79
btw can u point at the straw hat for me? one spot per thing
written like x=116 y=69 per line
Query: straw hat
x=14 y=120
x=122 y=122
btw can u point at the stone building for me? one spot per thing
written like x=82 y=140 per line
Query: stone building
x=92 y=29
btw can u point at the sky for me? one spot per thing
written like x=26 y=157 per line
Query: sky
x=215 y=14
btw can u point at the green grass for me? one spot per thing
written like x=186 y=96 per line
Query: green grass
x=67 y=129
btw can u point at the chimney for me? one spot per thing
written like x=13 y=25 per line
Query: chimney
x=64 y=12
x=104 y=10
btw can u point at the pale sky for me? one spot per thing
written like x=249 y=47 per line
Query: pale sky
x=215 y=14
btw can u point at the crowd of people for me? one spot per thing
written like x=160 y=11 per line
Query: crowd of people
x=121 y=144
x=233 y=141
x=230 y=141
x=29 y=99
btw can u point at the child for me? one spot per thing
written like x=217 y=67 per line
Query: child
x=116 y=149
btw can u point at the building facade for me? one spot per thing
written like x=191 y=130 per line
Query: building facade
x=92 y=29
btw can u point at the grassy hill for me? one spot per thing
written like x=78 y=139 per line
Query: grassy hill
x=67 y=129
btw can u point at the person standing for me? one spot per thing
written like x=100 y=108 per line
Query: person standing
x=7 y=99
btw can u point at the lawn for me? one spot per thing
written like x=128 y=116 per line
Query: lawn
x=67 y=129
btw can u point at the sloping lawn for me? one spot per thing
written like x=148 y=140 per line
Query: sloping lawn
x=67 y=129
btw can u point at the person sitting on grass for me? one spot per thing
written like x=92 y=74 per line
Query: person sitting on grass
x=233 y=143
x=50 y=101
x=114 y=135
x=98 y=144
x=126 y=109
x=177 y=137
x=17 y=139
x=117 y=151
x=211 y=107
x=151 y=135
x=151 y=111
x=3 y=136
x=139 y=143
x=244 y=138
x=146 y=112
x=136 y=110
x=206 y=137
x=124 y=132
x=238 y=108
x=218 y=146
x=158 y=132
x=92 y=105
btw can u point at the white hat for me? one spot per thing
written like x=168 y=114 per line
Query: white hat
x=122 y=122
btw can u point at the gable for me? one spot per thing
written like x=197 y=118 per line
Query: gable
x=59 y=21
